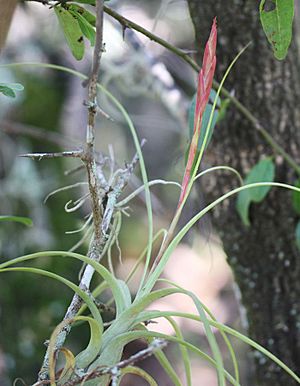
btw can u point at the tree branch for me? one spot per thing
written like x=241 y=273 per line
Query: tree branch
x=64 y=154
x=126 y=23
x=89 y=159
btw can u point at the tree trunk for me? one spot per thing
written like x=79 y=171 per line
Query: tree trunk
x=7 y=8
x=264 y=256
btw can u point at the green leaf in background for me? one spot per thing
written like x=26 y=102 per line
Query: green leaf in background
x=263 y=171
x=8 y=89
x=297 y=235
x=90 y=17
x=205 y=118
x=277 y=20
x=72 y=31
x=225 y=103
x=87 y=29
x=296 y=198
x=86 y=357
x=23 y=220
x=90 y=2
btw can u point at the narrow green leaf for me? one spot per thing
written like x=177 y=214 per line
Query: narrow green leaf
x=205 y=118
x=296 y=198
x=159 y=354
x=277 y=20
x=72 y=31
x=154 y=276
x=242 y=206
x=225 y=103
x=133 y=335
x=86 y=357
x=90 y=2
x=91 y=305
x=168 y=368
x=139 y=372
x=297 y=234
x=263 y=171
x=150 y=315
x=116 y=287
x=205 y=121
x=89 y=17
x=183 y=350
x=23 y=220
x=210 y=314
x=137 y=145
x=86 y=28
x=125 y=292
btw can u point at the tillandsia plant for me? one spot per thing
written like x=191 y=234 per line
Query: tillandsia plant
x=100 y=363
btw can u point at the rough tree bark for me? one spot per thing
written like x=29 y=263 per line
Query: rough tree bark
x=7 y=10
x=264 y=257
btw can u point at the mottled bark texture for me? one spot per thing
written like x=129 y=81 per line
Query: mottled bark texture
x=264 y=257
x=7 y=8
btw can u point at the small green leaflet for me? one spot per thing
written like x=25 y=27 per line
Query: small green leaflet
x=277 y=20
x=23 y=220
x=8 y=89
x=72 y=31
x=297 y=235
x=263 y=171
x=205 y=118
x=296 y=198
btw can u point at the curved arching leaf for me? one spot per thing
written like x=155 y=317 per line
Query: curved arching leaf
x=117 y=287
x=23 y=220
x=85 y=357
x=141 y=373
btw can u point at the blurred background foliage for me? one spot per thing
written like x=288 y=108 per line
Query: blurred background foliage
x=156 y=88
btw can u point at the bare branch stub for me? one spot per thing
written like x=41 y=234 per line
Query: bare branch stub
x=96 y=247
x=64 y=154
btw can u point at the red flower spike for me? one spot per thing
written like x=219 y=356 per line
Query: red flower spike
x=205 y=79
